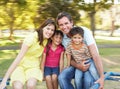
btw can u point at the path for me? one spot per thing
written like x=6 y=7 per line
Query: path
x=18 y=47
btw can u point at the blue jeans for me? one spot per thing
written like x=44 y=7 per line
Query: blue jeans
x=89 y=76
x=68 y=74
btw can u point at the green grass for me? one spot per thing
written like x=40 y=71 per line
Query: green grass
x=110 y=58
x=99 y=41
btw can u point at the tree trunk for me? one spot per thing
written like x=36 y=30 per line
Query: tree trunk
x=112 y=28
x=92 y=22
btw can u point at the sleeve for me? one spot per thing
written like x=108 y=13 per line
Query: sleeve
x=68 y=49
x=29 y=40
x=88 y=37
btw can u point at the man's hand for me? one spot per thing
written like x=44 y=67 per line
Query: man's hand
x=101 y=82
x=81 y=66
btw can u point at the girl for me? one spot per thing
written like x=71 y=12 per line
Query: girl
x=80 y=52
x=53 y=60
x=25 y=68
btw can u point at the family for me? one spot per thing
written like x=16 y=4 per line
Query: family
x=42 y=57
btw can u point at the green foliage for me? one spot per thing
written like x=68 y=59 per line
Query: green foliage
x=53 y=7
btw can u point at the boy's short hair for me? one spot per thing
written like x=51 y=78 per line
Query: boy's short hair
x=76 y=30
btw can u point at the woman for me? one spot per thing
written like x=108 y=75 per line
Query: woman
x=25 y=68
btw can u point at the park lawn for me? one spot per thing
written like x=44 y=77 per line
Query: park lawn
x=110 y=58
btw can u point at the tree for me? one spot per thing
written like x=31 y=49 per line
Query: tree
x=10 y=11
x=91 y=8
x=52 y=7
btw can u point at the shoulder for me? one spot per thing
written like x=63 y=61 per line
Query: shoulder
x=86 y=30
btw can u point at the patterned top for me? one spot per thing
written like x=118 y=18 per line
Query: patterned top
x=78 y=54
x=53 y=57
x=32 y=57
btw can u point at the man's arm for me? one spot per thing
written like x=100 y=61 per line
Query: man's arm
x=98 y=63
x=81 y=66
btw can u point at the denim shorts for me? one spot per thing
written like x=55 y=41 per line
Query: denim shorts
x=51 y=70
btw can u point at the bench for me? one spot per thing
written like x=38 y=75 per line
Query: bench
x=114 y=76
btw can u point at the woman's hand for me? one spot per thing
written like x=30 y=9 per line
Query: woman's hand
x=2 y=85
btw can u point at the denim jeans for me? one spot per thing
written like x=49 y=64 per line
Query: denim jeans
x=83 y=80
x=65 y=78
x=89 y=76
x=68 y=74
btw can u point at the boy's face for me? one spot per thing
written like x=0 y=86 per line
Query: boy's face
x=65 y=25
x=77 y=39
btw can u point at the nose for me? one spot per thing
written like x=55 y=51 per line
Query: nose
x=64 y=26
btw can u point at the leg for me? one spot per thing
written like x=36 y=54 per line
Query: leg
x=17 y=78
x=78 y=79
x=55 y=81
x=31 y=83
x=93 y=71
x=65 y=78
x=88 y=80
x=17 y=85
x=49 y=82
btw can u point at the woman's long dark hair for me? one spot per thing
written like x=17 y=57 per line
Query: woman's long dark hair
x=40 y=31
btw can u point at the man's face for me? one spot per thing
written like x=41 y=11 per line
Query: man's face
x=65 y=25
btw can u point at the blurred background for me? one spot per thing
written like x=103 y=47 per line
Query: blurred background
x=21 y=17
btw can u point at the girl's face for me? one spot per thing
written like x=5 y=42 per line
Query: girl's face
x=56 y=39
x=77 y=39
x=48 y=31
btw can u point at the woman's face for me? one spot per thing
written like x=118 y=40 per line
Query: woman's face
x=48 y=31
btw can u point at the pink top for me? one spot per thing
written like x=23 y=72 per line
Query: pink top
x=53 y=57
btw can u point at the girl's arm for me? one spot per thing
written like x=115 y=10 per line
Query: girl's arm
x=42 y=64
x=61 y=65
x=21 y=54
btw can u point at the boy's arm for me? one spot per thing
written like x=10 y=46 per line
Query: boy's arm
x=61 y=65
x=68 y=57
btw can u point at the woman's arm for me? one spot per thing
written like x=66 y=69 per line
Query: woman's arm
x=61 y=65
x=21 y=54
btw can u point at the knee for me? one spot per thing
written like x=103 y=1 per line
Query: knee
x=31 y=84
x=17 y=85
x=54 y=77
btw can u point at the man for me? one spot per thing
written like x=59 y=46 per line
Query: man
x=65 y=23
